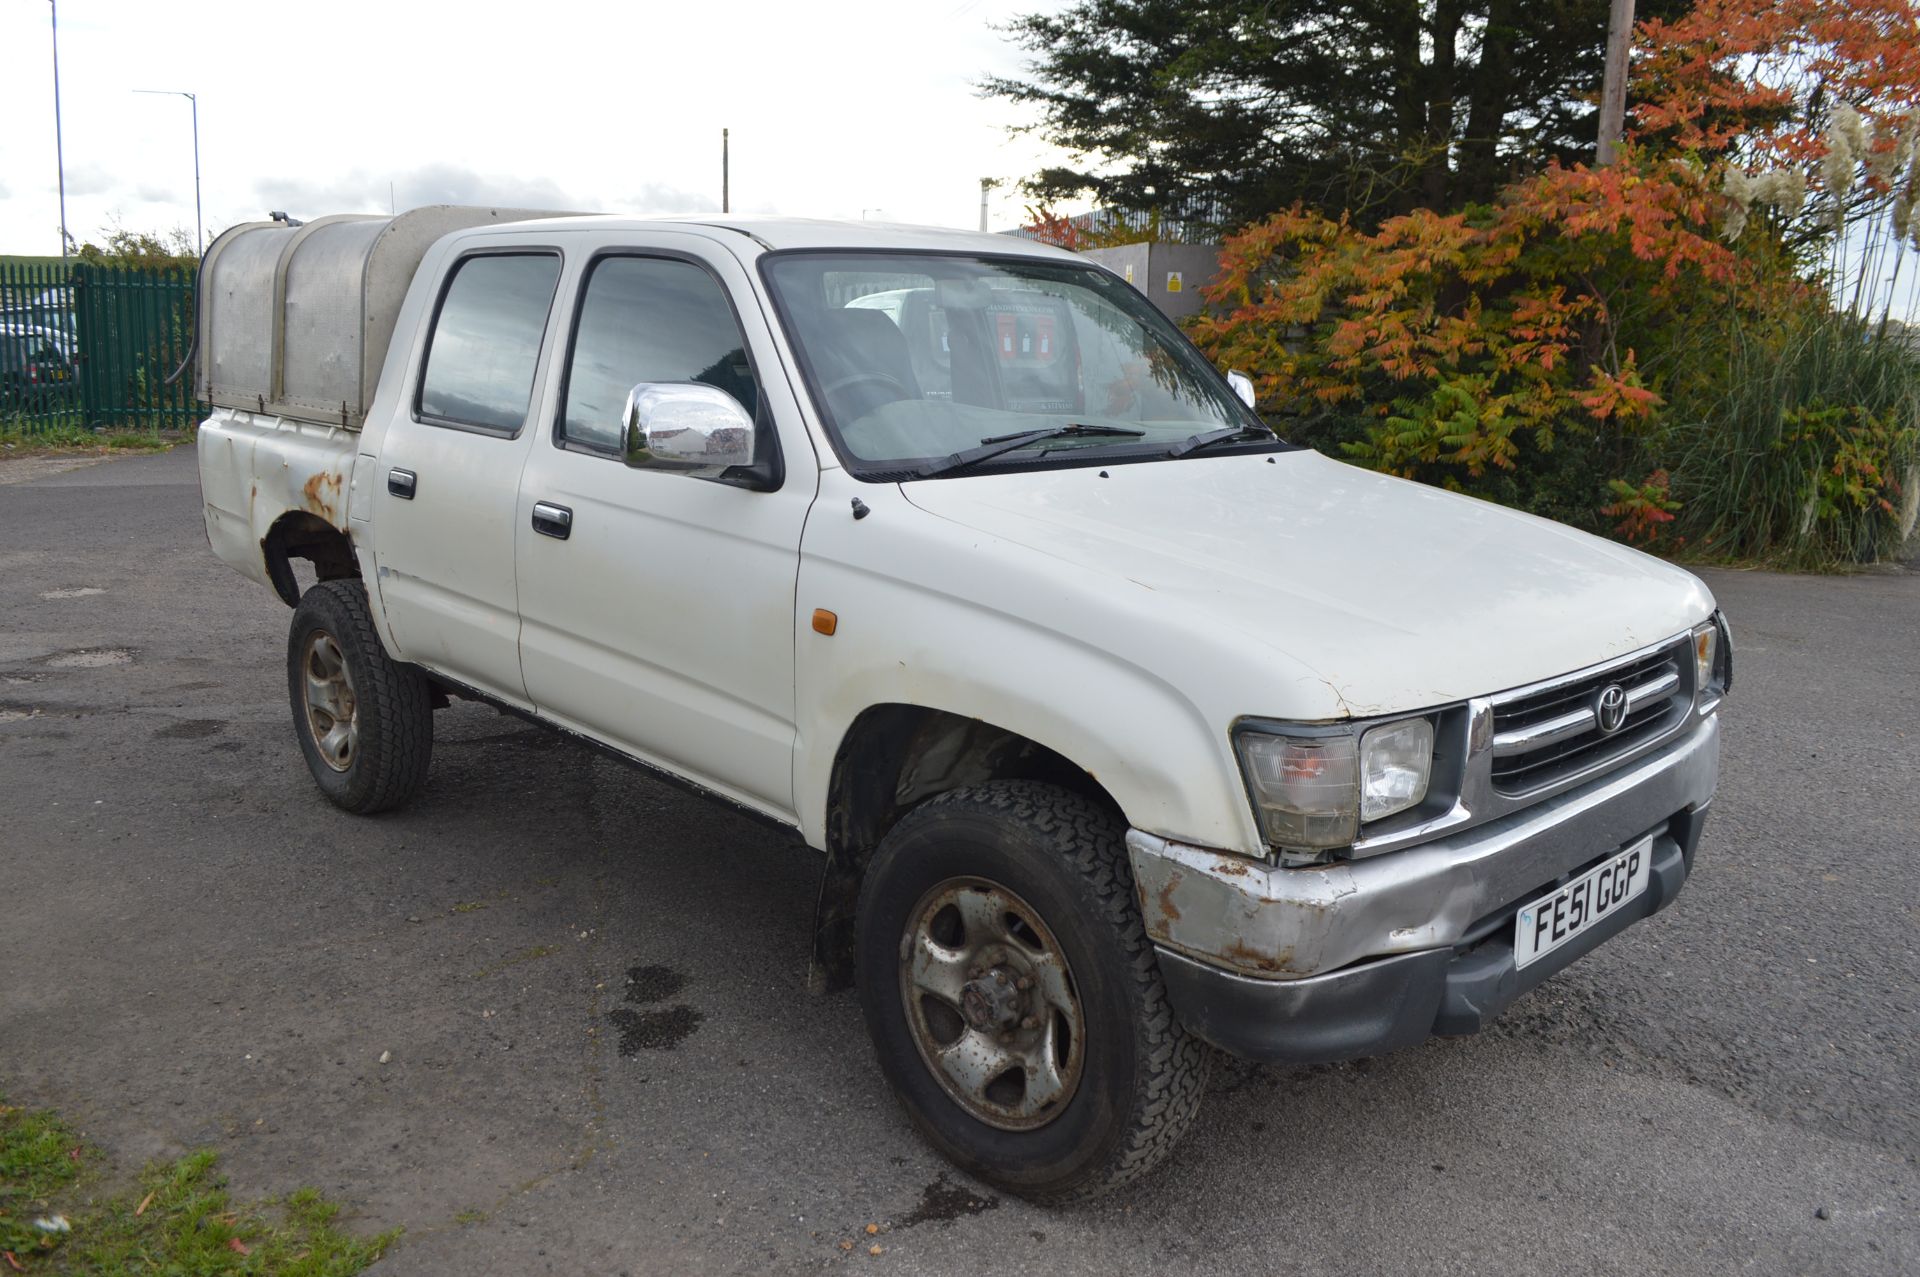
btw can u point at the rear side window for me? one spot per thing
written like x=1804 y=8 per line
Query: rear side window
x=648 y=319
x=486 y=341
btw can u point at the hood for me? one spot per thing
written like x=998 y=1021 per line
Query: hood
x=1400 y=596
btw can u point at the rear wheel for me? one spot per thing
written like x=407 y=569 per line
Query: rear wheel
x=1013 y=995
x=364 y=720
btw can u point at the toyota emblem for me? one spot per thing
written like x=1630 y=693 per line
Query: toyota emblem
x=1610 y=708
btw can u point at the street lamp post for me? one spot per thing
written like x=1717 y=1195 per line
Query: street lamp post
x=59 y=147
x=199 y=230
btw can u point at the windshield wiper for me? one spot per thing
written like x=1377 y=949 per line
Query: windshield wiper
x=994 y=445
x=1232 y=434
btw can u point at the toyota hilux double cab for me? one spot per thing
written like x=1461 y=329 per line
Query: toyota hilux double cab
x=1128 y=730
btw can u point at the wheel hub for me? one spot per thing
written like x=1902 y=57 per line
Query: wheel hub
x=333 y=710
x=991 y=1001
x=991 y=1004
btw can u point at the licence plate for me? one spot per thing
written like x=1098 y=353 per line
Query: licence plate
x=1554 y=919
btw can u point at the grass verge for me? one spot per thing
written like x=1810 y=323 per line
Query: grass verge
x=77 y=439
x=179 y=1219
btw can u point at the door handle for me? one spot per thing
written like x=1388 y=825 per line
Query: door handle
x=552 y=520
x=401 y=483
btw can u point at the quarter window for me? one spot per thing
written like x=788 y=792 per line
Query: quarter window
x=486 y=341
x=648 y=319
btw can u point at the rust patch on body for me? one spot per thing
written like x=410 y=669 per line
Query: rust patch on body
x=1167 y=907
x=321 y=492
x=1232 y=868
x=1242 y=955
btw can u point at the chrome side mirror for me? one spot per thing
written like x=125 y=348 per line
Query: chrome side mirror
x=686 y=426
x=1242 y=386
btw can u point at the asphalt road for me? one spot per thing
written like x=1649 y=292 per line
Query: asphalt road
x=602 y=1058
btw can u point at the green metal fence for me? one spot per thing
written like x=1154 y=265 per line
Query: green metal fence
x=93 y=346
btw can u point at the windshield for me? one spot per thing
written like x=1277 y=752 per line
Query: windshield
x=914 y=358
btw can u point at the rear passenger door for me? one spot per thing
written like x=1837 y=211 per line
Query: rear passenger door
x=448 y=481
x=660 y=618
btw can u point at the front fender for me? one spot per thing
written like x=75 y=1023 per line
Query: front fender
x=930 y=614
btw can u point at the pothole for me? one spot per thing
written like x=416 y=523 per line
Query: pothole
x=79 y=592
x=90 y=658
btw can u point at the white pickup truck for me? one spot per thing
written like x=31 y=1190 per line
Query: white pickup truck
x=1125 y=726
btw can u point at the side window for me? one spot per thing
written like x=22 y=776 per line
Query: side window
x=648 y=319
x=486 y=340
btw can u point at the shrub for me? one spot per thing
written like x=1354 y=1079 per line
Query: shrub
x=1518 y=352
x=1803 y=458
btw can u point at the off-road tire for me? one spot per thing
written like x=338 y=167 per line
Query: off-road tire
x=393 y=704
x=1143 y=1074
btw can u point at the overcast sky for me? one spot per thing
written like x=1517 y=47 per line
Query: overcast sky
x=837 y=110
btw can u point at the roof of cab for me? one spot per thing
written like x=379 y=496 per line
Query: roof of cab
x=774 y=233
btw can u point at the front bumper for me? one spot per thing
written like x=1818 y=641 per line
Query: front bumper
x=1309 y=965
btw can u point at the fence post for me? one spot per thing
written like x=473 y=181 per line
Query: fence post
x=83 y=339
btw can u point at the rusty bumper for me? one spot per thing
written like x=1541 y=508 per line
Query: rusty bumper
x=1410 y=942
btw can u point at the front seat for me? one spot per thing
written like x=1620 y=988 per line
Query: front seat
x=866 y=363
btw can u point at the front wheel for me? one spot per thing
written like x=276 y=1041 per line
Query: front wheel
x=1013 y=996
x=364 y=720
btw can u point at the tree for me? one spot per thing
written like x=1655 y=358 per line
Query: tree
x=1656 y=348
x=139 y=250
x=1370 y=106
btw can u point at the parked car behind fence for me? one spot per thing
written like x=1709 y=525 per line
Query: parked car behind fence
x=90 y=345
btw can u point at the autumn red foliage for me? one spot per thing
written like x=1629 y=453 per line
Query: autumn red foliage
x=1537 y=350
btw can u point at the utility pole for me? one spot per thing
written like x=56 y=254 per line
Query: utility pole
x=199 y=228
x=59 y=147
x=1613 y=89
x=986 y=184
x=726 y=193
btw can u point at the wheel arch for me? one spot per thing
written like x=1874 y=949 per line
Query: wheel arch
x=298 y=534
x=891 y=758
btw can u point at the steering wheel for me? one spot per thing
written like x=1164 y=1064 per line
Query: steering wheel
x=879 y=379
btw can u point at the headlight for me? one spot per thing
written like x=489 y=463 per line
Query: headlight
x=1313 y=791
x=1712 y=661
x=1705 y=648
x=1396 y=761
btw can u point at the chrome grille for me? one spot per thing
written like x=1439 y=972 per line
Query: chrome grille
x=1549 y=732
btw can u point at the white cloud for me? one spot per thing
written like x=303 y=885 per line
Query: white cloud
x=362 y=192
x=89 y=179
x=834 y=108
x=658 y=197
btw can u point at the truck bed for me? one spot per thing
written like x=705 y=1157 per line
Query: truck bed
x=261 y=473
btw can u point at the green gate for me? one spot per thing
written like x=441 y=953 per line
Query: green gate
x=84 y=345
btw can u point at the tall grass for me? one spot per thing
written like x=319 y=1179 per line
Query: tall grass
x=1808 y=454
